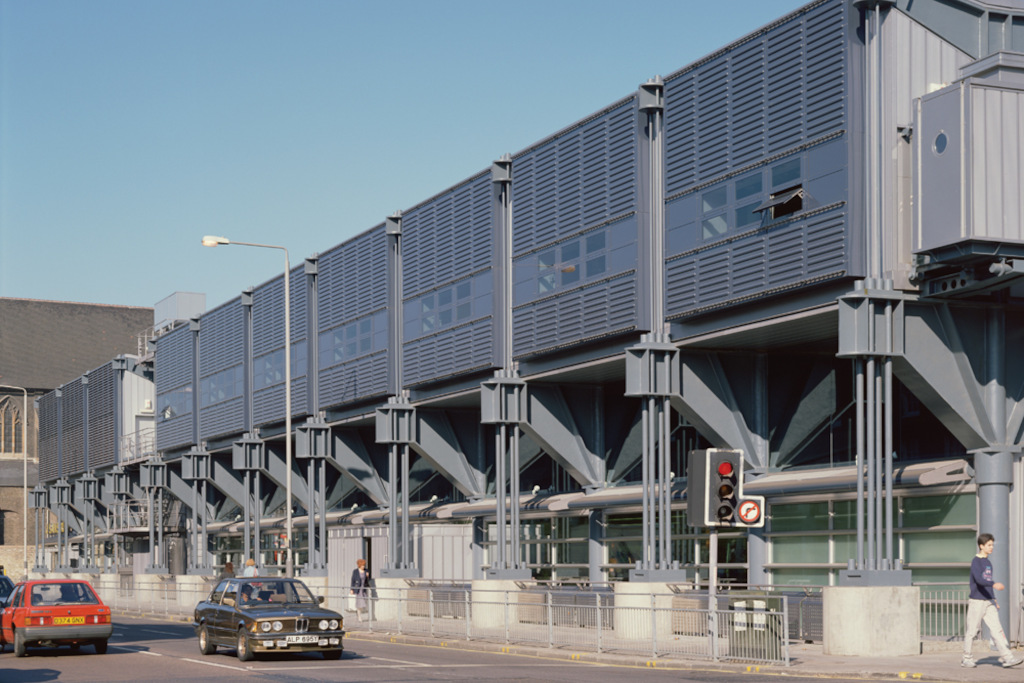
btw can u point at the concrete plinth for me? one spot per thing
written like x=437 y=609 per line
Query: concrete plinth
x=639 y=623
x=391 y=594
x=192 y=589
x=492 y=599
x=872 y=621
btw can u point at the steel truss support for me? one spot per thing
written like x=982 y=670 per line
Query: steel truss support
x=39 y=497
x=153 y=479
x=394 y=428
x=60 y=495
x=249 y=456
x=501 y=406
x=195 y=471
x=312 y=441
x=87 y=490
x=871 y=334
x=652 y=374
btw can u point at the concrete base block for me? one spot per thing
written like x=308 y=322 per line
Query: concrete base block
x=489 y=597
x=391 y=595
x=872 y=621
x=639 y=623
x=193 y=589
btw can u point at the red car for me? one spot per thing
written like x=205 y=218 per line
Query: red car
x=51 y=612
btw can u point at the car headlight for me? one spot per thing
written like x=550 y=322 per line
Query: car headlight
x=334 y=624
x=278 y=626
x=265 y=626
x=324 y=624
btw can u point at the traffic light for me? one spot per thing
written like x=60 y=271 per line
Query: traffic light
x=715 y=491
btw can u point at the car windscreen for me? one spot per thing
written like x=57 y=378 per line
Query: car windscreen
x=6 y=587
x=276 y=591
x=62 y=594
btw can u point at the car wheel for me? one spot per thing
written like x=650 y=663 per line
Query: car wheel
x=19 y=644
x=244 y=651
x=332 y=654
x=205 y=646
x=101 y=647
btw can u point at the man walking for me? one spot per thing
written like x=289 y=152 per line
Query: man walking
x=982 y=606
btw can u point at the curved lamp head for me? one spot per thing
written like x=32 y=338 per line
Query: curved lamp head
x=213 y=241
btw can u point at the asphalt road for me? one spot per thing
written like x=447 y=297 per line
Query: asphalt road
x=153 y=650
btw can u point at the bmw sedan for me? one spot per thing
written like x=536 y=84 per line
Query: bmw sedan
x=267 y=614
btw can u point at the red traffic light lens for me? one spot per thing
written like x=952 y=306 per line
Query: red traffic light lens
x=725 y=469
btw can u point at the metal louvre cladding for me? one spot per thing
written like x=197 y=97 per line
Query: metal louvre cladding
x=173 y=378
x=221 y=371
x=761 y=119
x=268 y=348
x=49 y=435
x=575 y=232
x=73 y=427
x=447 y=248
x=352 y=298
x=102 y=384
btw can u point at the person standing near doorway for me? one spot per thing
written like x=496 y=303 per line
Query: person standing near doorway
x=360 y=585
x=982 y=606
x=250 y=568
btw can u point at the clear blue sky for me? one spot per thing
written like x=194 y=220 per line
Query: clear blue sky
x=128 y=130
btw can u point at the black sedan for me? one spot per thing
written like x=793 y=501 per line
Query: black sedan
x=267 y=614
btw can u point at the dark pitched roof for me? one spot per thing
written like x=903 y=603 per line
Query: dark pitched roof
x=44 y=344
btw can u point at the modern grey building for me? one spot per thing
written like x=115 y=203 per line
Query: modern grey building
x=806 y=246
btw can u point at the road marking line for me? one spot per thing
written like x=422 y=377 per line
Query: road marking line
x=222 y=666
x=166 y=633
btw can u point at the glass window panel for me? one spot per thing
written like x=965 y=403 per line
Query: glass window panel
x=800 y=577
x=844 y=515
x=595 y=241
x=936 y=510
x=786 y=173
x=444 y=297
x=715 y=199
x=445 y=316
x=350 y=350
x=464 y=311
x=546 y=259
x=546 y=283
x=803 y=549
x=427 y=303
x=800 y=517
x=364 y=344
x=364 y=326
x=746 y=215
x=953 y=577
x=948 y=546
x=570 y=251
x=748 y=186
x=351 y=331
x=715 y=227
x=595 y=266
x=429 y=323
x=570 y=274
x=844 y=547
x=463 y=290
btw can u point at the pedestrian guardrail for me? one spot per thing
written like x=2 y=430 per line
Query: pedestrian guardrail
x=752 y=628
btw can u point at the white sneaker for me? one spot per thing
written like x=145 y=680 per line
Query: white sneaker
x=1011 y=661
x=968 y=663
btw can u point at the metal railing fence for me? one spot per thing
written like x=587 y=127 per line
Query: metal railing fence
x=749 y=629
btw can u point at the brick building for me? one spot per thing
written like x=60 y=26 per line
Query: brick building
x=42 y=345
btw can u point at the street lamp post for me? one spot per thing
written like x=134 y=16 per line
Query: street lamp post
x=24 y=457
x=213 y=241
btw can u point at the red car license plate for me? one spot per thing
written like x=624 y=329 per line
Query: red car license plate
x=63 y=621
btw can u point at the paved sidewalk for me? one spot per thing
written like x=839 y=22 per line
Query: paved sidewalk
x=807 y=660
